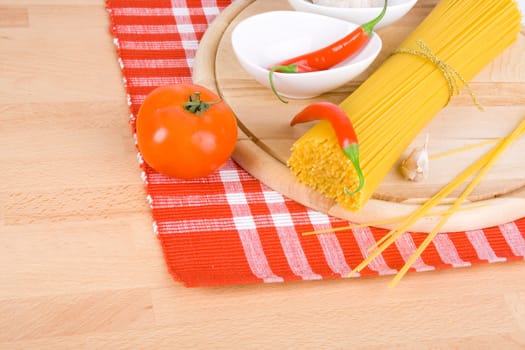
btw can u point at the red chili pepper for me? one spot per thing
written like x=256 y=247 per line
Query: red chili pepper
x=343 y=129
x=330 y=55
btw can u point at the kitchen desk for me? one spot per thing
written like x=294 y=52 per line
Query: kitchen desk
x=80 y=266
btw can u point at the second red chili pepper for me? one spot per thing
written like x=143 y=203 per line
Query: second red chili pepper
x=330 y=55
x=343 y=129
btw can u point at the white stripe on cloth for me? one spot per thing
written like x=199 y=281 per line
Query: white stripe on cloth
x=365 y=239
x=183 y=29
x=151 y=81
x=288 y=237
x=196 y=225
x=186 y=29
x=136 y=100
x=209 y=9
x=152 y=45
x=141 y=11
x=406 y=246
x=447 y=251
x=154 y=63
x=514 y=238
x=332 y=250
x=246 y=228
x=482 y=246
x=165 y=201
x=168 y=201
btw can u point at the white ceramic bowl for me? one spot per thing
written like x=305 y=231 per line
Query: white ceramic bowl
x=265 y=39
x=395 y=10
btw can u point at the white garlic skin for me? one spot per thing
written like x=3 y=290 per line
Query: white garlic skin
x=415 y=167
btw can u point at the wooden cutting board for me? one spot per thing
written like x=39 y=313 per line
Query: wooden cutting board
x=264 y=143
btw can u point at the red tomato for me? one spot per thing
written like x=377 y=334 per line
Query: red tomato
x=181 y=143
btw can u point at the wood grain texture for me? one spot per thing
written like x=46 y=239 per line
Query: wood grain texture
x=500 y=88
x=79 y=270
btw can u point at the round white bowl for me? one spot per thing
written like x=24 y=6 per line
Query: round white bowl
x=395 y=10
x=263 y=40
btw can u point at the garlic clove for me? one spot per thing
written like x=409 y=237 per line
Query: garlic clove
x=415 y=167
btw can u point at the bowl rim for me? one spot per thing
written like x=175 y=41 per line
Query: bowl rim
x=354 y=9
x=338 y=67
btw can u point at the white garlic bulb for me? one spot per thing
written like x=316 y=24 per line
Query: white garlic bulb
x=416 y=166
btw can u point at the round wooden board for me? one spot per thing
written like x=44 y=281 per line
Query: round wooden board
x=265 y=139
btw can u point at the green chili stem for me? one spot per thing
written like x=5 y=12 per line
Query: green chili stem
x=292 y=68
x=368 y=27
x=352 y=152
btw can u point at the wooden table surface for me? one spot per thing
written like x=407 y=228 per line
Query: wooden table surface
x=80 y=267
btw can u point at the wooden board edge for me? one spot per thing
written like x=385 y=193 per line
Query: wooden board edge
x=494 y=212
x=247 y=150
x=207 y=50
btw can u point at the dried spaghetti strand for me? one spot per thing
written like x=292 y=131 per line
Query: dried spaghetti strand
x=493 y=157
x=465 y=148
x=387 y=221
x=482 y=162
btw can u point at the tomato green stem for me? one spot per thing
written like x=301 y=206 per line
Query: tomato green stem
x=196 y=106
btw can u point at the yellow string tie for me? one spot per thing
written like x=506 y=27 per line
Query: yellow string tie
x=451 y=75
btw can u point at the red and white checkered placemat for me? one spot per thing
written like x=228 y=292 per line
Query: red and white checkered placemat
x=229 y=228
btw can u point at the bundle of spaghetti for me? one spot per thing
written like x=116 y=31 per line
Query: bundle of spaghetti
x=453 y=44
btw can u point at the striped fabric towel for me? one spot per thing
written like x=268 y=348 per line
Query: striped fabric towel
x=229 y=228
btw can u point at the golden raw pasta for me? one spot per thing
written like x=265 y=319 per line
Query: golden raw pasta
x=455 y=42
